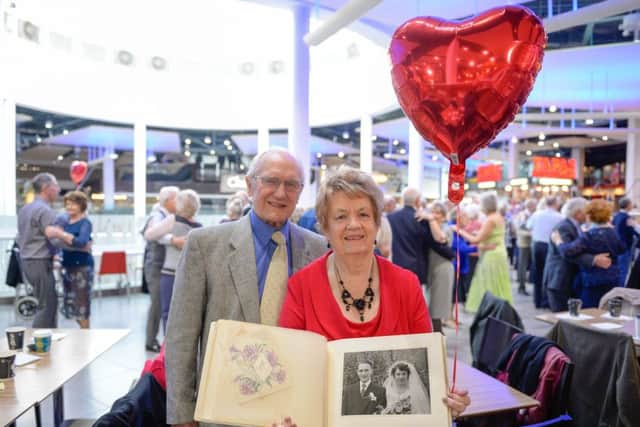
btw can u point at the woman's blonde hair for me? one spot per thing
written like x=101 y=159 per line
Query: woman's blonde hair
x=599 y=211
x=353 y=183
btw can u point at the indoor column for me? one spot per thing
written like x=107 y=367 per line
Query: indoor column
x=299 y=132
x=108 y=180
x=514 y=158
x=577 y=153
x=8 y=159
x=415 y=176
x=263 y=139
x=139 y=172
x=632 y=176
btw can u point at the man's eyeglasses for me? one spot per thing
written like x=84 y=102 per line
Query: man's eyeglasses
x=273 y=183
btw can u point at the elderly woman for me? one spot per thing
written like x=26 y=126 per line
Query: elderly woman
x=350 y=292
x=492 y=272
x=601 y=238
x=74 y=229
x=179 y=225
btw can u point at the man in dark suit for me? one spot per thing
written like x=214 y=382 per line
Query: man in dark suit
x=412 y=239
x=561 y=270
x=363 y=397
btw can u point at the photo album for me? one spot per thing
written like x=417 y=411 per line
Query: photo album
x=254 y=375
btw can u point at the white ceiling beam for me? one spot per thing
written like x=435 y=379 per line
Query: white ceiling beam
x=599 y=115
x=340 y=19
x=588 y=14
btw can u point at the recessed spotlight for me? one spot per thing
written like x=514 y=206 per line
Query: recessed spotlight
x=528 y=152
x=345 y=135
x=212 y=152
x=65 y=131
x=403 y=151
x=556 y=145
x=227 y=142
x=187 y=141
x=374 y=137
x=341 y=154
x=588 y=122
x=114 y=156
x=48 y=124
x=187 y=153
x=542 y=136
x=605 y=138
x=558 y=155
x=323 y=167
x=514 y=139
x=396 y=142
x=541 y=143
x=60 y=157
x=207 y=140
x=553 y=108
x=434 y=157
x=319 y=155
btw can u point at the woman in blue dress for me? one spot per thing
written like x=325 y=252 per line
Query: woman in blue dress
x=74 y=230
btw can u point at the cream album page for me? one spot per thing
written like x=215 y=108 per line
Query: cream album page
x=253 y=375
x=387 y=381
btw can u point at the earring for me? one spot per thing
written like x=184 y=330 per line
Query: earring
x=375 y=242
x=328 y=245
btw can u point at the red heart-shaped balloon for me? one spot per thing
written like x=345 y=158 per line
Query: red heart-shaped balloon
x=77 y=171
x=460 y=83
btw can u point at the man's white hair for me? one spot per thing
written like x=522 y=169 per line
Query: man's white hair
x=256 y=163
x=573 y=206
x=167 y=193
x=409 y=196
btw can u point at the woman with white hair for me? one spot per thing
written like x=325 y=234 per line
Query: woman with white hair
x=492 y=272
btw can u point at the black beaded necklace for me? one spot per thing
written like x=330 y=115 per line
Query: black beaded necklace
x=359 y=303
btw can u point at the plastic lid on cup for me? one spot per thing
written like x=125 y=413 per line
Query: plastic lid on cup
x=42 y=333
x=16 y=329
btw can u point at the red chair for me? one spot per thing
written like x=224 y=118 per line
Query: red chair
x=114 y=263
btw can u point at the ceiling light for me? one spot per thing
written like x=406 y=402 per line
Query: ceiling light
x=588 y=122
x=514 y=139
x=38 y=139
x=396 y=142
x=323 y=167
x=187 y=141
x=542 y=136
x=207 y=140
x=227 y=142
x=340 y=154
x=605 y=138
x=65 y=131
x=403 y=151
x=528 y=152
x=187 y=153
x=48 y=124
x=386 y=155
x=374 y=137
x=113 y=156
x=508 y=188
x=434 y=157
x=556 y=145
x=558 y=155
x=553 y=108
x=345 y=135
x=241 y=167
x=540 y=143
x=212 y=152
x=319 y=155
x=229 y=147
x=151 y=158
x=60 y=157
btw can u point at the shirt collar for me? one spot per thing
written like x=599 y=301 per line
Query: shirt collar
x=264 y=231
x=366 y=385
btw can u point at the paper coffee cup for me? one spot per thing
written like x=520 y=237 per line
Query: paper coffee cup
x=7 y=363
x=42 y=340
x=15 y=337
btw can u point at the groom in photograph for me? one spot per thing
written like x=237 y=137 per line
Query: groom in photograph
x=363 y=397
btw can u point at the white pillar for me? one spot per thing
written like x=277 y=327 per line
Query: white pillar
x=263 y=139
x=8 y=159
x=139 y=171
x=632 y=175
x=415 y=175
x=300 y=133
x=578 y=154
x=366 y=146
x=108 y=180
x=514 y=159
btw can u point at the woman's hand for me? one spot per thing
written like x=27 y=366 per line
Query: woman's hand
x=53 y=232
x=457 y=401
x=487 y=246
x=287 y=422
x=424 y=216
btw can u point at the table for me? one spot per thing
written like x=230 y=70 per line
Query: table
x=35 y=382
x=488 y=395
x=627 y=326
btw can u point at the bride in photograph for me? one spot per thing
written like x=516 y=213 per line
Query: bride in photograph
x=406 y=393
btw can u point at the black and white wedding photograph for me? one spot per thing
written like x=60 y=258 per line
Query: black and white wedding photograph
x=389 y=382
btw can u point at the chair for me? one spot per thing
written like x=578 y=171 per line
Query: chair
x=495 y=340
x=114 y=263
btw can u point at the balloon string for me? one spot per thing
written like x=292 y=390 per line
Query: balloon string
x=456 y=313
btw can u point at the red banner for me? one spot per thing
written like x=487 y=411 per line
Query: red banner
x=487 y=173
x=554 y=167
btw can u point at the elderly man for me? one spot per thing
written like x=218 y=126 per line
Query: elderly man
x=237 y=270
x=154 y=258
x=560 y=270
x=36 y=252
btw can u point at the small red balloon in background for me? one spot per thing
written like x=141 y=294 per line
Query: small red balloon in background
x=460 y=83
x=77 y=171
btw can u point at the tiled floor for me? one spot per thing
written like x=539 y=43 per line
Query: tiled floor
x=91 y=393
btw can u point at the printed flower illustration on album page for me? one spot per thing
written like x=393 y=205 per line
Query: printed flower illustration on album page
x=256 y=370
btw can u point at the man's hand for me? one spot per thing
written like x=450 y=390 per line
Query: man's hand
x=178 y=242
x=602 y=261
x=424 y=216
x=556 y=238
x=287 y=422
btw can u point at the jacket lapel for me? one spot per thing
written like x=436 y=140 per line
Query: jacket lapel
x=242 y=265
x=300 y=253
